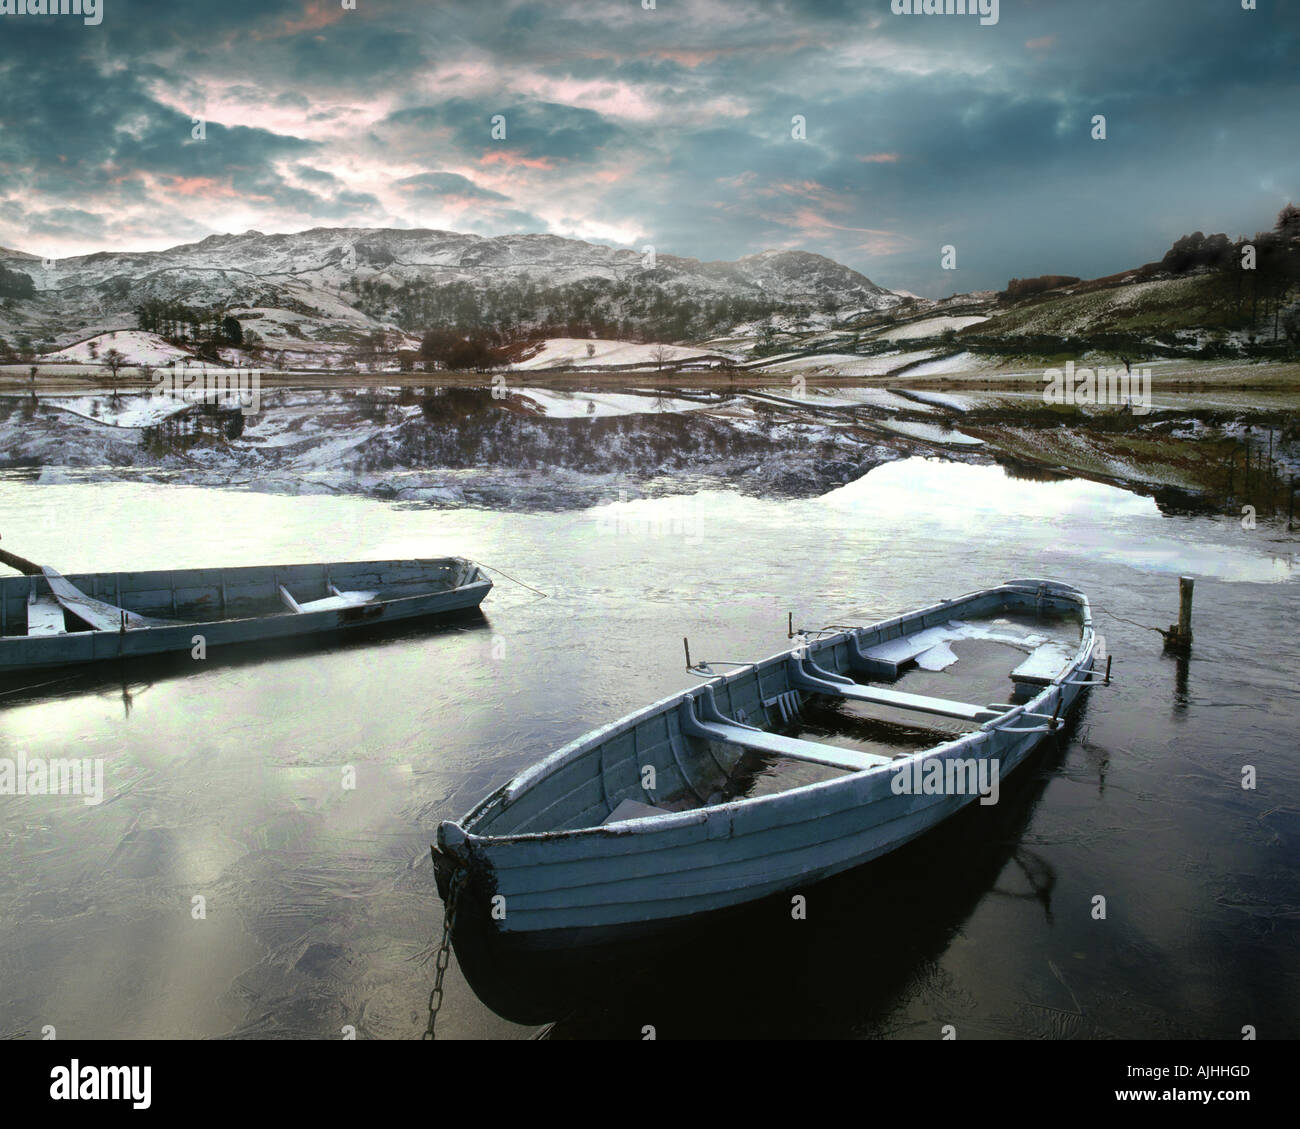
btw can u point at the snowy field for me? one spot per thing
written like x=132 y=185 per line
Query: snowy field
x=929 y=327
x=137 y=346
x=595 y=352
x=845 y=364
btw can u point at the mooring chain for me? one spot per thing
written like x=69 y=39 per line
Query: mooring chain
x=444 y=950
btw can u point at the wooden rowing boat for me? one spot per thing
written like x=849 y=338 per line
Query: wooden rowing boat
x=50 y=620
x=636 y=826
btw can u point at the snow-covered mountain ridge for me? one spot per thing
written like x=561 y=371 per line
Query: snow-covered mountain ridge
x=329 y=285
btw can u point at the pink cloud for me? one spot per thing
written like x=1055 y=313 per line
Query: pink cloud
x=1044 y=44
x=810 y=225
x=316 y=15
x=202 y=186
x=513 y=158
x=684 y=56
x=810 y=190
x=880 y=158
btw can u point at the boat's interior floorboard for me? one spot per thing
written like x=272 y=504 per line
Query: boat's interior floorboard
x=981 y=674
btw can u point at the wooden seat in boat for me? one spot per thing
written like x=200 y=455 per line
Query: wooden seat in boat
x=1042 y=665
x=837 y=686
x=715 y=726
x=335 y=602
x=96 y=613
x=887 y=660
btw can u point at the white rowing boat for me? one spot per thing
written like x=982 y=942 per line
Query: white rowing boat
x=635 y=826
x=50 y=620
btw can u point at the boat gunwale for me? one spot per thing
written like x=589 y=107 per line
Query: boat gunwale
x=508 y=792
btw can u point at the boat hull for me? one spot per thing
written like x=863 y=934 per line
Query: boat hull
x=243 y=592
x=537 y=978
x=640 y=873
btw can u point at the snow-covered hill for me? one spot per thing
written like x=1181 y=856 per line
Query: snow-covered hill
x=136 y=346
x=324 y=290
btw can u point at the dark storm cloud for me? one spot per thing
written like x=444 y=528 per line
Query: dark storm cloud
x=670 y=126
x=539 y=130
x=316 y=176
x=437 y=184
x=66 y=221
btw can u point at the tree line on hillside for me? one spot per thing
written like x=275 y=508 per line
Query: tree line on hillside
x=178 y=322
x=1024 y=287
x=1264 y=271
x=1266 y=285
x=15 y=284
x=640 y=307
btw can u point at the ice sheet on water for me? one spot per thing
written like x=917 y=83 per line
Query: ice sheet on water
x=938 y=657
x=932 y=650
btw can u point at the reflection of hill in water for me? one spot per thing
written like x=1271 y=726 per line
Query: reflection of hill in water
x=1027 y=472
x=466 y=428
x=462 y=446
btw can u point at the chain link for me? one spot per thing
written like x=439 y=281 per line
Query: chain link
x=444 y=950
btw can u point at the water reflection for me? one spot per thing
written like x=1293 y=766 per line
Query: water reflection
x=871 y=938
x=131 y=676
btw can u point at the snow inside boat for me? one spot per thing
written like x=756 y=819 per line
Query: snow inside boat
x=677 y=809
x=49 y=620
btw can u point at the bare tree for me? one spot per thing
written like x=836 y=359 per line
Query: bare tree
x=660 y=354
x=729 y=370
x=113 y=361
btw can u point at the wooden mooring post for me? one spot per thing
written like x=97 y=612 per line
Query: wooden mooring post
x=1179 y=635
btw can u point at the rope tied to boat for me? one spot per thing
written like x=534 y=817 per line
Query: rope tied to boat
x=544 y=595
x=443 y=958
x=1134 y=622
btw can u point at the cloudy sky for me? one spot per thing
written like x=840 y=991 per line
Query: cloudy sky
x=671 y=126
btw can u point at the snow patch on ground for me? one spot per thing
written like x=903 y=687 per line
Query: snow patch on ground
x=962 y=362
x=930 y=327
x=139 y=348
x=580 y=352
x=846 y=364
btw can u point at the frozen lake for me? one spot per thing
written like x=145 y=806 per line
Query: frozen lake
x=224 y=783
